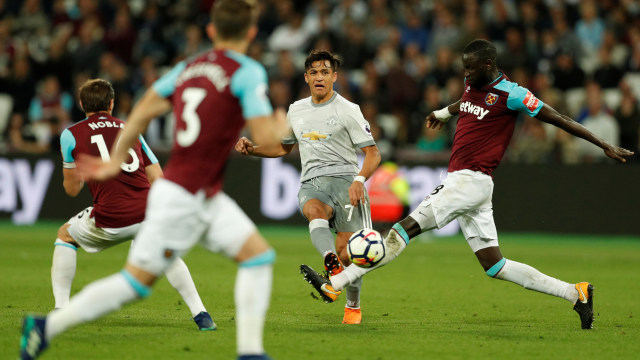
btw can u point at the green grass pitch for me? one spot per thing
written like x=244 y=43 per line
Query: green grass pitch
x=434 y=302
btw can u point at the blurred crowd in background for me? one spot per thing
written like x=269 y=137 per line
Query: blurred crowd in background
x=401 y=60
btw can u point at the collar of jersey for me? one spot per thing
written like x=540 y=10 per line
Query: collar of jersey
x=335 y=93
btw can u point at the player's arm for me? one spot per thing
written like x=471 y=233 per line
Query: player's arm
x=370 y=164
x=72 y=179
x=246 y=147
x=154 y=172
x=266 y=126
x=72 y=182
x=263 y=146
x=436 y=119
x=152 y=168
x=553 y=117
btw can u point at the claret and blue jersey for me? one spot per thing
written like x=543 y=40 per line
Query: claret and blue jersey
x=486 y=123
x=212 y=95
x=121 y=201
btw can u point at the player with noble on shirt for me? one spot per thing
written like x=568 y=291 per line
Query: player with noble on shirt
x=213 y=96
x=118 y=204
x=328 y=128
x=487 y=113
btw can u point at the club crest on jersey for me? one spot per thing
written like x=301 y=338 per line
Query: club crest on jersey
x=332 y=121
x=491 y=99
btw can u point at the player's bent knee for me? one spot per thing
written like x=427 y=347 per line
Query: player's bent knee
x=424 y=216
x=63 y=234
x=141 y=289
x=266 y=258
x=253 y=246
x=138 y=276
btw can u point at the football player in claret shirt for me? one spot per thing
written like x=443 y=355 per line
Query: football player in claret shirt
x=118 y=204
x=213 y=96
x=487 y=113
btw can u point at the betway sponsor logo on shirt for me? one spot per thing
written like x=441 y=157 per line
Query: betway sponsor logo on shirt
x=468 y=107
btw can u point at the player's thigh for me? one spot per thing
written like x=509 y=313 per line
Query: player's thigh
x=82 y=228
x=174 y=222
x=460 y=193
x=310 y=190
x=346 y=218
x=479 y=228
x=229 y=227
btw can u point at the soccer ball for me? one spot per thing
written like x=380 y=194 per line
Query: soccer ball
x=365 y=248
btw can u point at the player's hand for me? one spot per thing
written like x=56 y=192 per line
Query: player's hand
x=93 y=168
x=617 y=153
x=433 y=122
x=244 y=146
x=356 y=193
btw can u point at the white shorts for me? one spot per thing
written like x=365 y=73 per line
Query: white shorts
x=465 y=195
x=176 y=220
x=93 y=239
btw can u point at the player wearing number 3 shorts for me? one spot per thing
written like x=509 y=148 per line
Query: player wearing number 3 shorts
x=118 y=204
x=213 y=97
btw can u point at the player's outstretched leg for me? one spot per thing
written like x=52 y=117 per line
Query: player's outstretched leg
x=33 y=341
x=180 y=278
x=320 y=283
x=584 y=304
x=580 y=294
x=394 y=243
x=63 y=270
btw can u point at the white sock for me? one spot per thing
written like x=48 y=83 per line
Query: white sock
x=99 y=298
x=349 y=275
x=353 y=294
x=530 y=278
x=252 y=294
x=63 y=270
x=321 y=236
x=179 y=277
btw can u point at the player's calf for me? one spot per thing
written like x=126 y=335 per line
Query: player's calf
x=394 y=243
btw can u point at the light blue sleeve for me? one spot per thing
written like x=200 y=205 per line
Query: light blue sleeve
x=249 y=84
x=35 y=110
x=147 y=150
x=520 y=99
x=66 y=101
x=166 y=85
x=67 y=144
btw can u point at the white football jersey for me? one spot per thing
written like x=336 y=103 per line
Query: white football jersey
x=328 y=135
